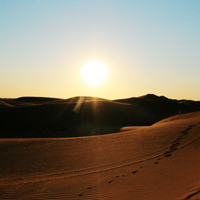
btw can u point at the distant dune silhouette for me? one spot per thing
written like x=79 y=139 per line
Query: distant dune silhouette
x=31 y=117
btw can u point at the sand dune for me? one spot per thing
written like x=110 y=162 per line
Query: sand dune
x=155 y=162
x=31 y=117
x=4 y=104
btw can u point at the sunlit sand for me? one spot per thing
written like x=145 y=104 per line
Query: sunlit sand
x=137 y=162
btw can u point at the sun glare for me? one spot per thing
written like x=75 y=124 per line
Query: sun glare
x=94 y=73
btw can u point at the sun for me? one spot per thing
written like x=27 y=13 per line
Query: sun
x=94 y=73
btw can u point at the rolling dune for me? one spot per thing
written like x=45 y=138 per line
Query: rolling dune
x=31 y=117
x=153 y=162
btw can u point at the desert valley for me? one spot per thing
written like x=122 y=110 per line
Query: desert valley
x=90 y=148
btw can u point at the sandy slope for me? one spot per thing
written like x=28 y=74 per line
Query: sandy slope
x=160 y=162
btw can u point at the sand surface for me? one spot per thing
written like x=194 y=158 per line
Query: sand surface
x=159 y=162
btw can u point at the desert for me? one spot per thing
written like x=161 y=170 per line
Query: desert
x=157 y=161
x=99 y=100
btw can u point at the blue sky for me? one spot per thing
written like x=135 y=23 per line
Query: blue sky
x=148 y=46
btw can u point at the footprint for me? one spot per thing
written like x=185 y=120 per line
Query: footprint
x=173 y=149
x=184 y=131
x=134 y=172
x=191 y=126
x=110 y=181
x=177 y=143
x=192 y=195
x=173 y=146
x=167 y=152
x=80 y=195
x=117 y=176
x=155 y=163
x=168 y=155
x=89 y=188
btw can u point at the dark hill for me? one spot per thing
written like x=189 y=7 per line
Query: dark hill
x=36 y=99
x=153 y=97
x=80 y=116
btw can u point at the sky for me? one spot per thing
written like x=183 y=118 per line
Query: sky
x=147 y=46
